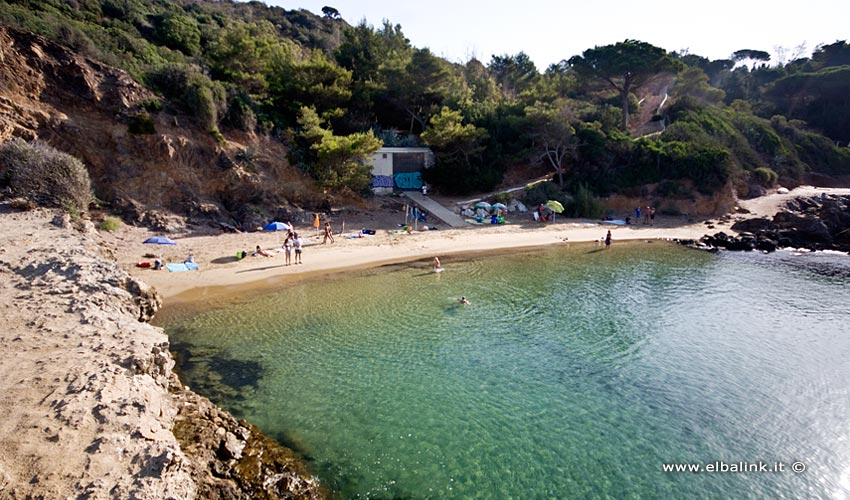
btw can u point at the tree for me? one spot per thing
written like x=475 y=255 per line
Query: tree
x=553 y=134
x=836 y=54
x=624 y=65
x=751 y=55
x=513 y=73
x=459 y=150
x=693 y=82
x=330 y=12
x=179 y=33
x=452 y=140
x=422 y=87
x=336 y=161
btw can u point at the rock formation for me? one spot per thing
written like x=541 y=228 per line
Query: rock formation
x=815 y=223
x=85 y=410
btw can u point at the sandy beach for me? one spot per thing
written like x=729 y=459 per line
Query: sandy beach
x=221 y=273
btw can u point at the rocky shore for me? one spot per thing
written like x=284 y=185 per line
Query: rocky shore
x=814 y=223
x=90 y=407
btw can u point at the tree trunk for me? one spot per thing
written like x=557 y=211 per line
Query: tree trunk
x=624 y=98
x=624 y=101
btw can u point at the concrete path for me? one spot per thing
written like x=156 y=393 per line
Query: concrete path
x=436 y=210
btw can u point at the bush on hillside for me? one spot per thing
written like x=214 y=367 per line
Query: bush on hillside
x=141 y=123
x=110 y=224
x=45 y=175
x=765 y=176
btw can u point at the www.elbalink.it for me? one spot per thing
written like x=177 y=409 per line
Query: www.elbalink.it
x=734 y=467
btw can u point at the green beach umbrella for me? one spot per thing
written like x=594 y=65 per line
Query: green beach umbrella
x=555 y=206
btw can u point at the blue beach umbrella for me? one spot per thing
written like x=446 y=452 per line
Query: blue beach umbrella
x=276 y=226
x=160 y=240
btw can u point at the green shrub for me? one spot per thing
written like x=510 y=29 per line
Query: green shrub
x=764 y=176
x=584 y=204
x=141 y=123
x=110 y=224
x=45 y=175
x=152 y=105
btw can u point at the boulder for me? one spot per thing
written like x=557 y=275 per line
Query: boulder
x=754 y=226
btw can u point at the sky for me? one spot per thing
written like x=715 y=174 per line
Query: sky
x=549 y=31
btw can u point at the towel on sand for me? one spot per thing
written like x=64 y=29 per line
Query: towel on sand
x=179 y=267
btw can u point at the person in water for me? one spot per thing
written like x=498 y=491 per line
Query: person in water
x=463 y=300
x=437 y=267
x=608 y=240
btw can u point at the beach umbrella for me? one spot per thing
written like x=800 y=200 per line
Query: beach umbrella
x=483 y=204
x=277 y=226
x=499 y=206
x=316 y=223
x=160 y=240
x=555 y=206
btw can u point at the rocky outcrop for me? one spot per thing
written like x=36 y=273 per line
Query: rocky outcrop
x=85 y=407
x=241 y=463
x=816 y=223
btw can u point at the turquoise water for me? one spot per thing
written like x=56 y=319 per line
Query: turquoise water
x=573 y=373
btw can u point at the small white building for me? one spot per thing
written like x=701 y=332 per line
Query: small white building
x=399 y=168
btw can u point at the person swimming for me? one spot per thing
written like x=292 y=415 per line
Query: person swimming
x=464 y=301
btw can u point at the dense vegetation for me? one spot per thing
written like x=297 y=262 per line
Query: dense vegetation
x=335 y=92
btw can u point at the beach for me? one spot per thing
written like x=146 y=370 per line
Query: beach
x=221 y=273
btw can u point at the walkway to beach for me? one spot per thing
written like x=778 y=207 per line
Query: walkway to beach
x=435 y=209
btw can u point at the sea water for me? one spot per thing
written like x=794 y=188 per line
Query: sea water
x=573 y=373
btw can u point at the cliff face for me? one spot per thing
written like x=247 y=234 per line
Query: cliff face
x=86 y=409
x=83 y=107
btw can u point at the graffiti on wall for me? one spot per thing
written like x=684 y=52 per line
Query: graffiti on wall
x=408 y=180
x=382 y=181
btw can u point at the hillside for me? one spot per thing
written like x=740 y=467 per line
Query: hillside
x=238 y=112
x=85 y=108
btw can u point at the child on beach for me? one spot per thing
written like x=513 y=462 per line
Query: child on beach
x=296 y=243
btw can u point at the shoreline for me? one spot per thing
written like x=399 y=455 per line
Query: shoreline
x=221 y=275
x=218 y=277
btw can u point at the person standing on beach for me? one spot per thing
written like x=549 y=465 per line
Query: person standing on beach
x=608 y=240
x=646 y=215
x=296 y=244
x=329 y=234
x=637 y=214
x=652 y=216
x=287 y=248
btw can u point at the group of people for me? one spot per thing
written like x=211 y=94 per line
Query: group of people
x=648 y=215
x=292 y=243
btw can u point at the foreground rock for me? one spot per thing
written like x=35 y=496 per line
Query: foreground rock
x=85 y=408
x=814 y=223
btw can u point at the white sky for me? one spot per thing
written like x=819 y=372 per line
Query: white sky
x=550 y=30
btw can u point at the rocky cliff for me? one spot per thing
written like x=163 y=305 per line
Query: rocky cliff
x=89 y=406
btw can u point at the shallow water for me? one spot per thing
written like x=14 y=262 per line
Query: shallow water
x=574 y=373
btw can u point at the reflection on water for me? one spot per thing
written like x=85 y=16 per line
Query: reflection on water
x=572 y=373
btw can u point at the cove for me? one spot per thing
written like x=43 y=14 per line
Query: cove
x=574 y=373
